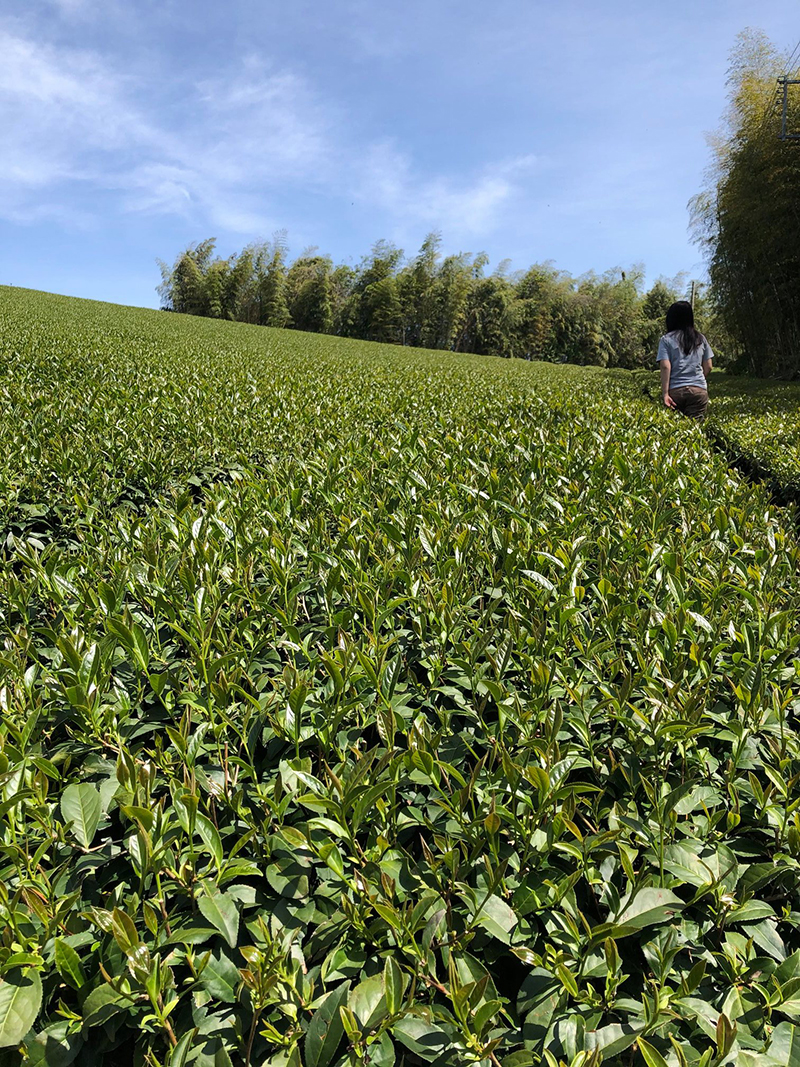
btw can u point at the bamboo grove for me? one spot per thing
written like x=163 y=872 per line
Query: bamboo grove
x=430 y=301
x=747 y=218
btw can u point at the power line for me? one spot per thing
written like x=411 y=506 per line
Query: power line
x=784 y=84
x=792 y=57
x=770 y=107
x=779 y=89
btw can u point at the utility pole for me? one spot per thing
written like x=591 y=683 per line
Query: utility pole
x=694 y=290
x=784 y=83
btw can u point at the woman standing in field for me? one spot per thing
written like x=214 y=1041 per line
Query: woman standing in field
x=685 y=358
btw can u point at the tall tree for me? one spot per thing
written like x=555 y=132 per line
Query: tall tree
x=415 y=291
x=536 y=292
x=382 y=311
x=182 y=285
x=273 y=305
x=747 y=218
x=489 y=316
x=308 y=294
x=374 y=311
x=654 y=312
x=449 y=303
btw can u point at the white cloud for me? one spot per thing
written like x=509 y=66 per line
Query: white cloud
x=265 y=125
x=58 y=88
x=469 y=206
x=76 y=124
x=65 y=120
x=159 y=187
x=68 y=117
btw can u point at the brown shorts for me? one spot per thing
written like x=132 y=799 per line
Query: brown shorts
x=691 y=400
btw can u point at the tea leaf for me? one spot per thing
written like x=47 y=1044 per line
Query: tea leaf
x=81 y=806
x=68 y=964
x=221 y=911
x=325 y=1029
x=20 y=1001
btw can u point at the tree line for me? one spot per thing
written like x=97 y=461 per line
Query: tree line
x=429 y=300
x=748 y=216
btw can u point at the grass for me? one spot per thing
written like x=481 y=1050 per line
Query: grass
x=373 y=706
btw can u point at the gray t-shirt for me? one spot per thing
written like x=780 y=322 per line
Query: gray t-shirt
x=685 y=370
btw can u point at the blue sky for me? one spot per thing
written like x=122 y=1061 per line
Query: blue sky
x=531 y=130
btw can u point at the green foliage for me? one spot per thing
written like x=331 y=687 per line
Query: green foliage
x=747 y=217
x=308 y=299
x=369 y=706
x=427 y=302
x=654 y=313
x=758 y=425
x=263 y=284
x=80 y=809
x=20 y=1001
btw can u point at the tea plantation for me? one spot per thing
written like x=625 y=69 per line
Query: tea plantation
x=370 y=706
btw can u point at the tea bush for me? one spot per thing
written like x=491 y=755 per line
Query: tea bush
x=758 y=424
x=366 y=706
x=755 y=422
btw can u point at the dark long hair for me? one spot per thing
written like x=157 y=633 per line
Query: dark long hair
x=680 y=316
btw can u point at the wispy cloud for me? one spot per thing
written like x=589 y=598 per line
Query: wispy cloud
x=237 y=142
x=66 y=120
x=219 y=157
x=390 y=181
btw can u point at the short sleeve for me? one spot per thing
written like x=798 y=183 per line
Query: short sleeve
x=663 y=350
x=707 y=353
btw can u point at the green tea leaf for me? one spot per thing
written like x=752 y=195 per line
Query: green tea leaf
x=54 y=1047
x=648 y=907
x=80 y=806
x=102 y=1004
x=368 y=1002
x=68 y=964
x=424 y=1039
x=394 y=984
x=221 y=911
x=652 y=1057
x=210 y=835
x=325 y=1029
x=20 y=1000
x=498 y=918
x=613 y=1039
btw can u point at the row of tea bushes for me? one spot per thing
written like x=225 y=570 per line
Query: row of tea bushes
x=414 y=709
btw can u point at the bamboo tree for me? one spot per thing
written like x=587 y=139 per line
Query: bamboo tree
x=429 y=301
x=747 y=219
